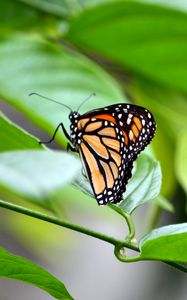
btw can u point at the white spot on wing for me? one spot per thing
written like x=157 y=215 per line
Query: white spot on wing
x=128 y=121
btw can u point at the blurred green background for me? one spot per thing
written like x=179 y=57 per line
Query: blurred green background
x=123 y=51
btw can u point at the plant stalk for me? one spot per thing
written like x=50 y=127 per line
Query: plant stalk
x=128 y=220
x=118 y=244
x=66 y=224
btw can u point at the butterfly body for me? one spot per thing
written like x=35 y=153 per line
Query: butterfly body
x=108 y=140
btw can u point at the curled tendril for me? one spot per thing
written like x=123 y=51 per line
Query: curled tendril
x=120 y=253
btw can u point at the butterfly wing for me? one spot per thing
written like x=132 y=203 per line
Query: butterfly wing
x=111 y=139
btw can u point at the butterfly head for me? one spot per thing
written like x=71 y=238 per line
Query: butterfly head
x=73 y=116
x=74 y=133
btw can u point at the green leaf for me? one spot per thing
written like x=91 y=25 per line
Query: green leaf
x=39 y=66
x=59 y=8
x=181 y=160
x=13 y=137
x=178 y=4
x=15 y=15
x=37 y=175
x=62 y=7
x=168 y=243
x=150 y=40
x=15 y=267
x=144 y=185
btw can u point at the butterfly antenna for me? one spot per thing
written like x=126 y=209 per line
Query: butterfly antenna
x=93 y=94
x=49 y=99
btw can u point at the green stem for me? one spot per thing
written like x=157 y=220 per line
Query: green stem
x=62 y=223
x=129 y=221
x=122 y=257
x=117 y=243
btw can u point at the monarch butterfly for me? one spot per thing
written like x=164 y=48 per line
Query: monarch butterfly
x=108 y=141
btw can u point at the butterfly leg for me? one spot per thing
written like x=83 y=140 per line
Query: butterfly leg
x=69 y=147
x=53 y=137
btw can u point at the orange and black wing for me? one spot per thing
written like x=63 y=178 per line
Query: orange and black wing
x=112 y=138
